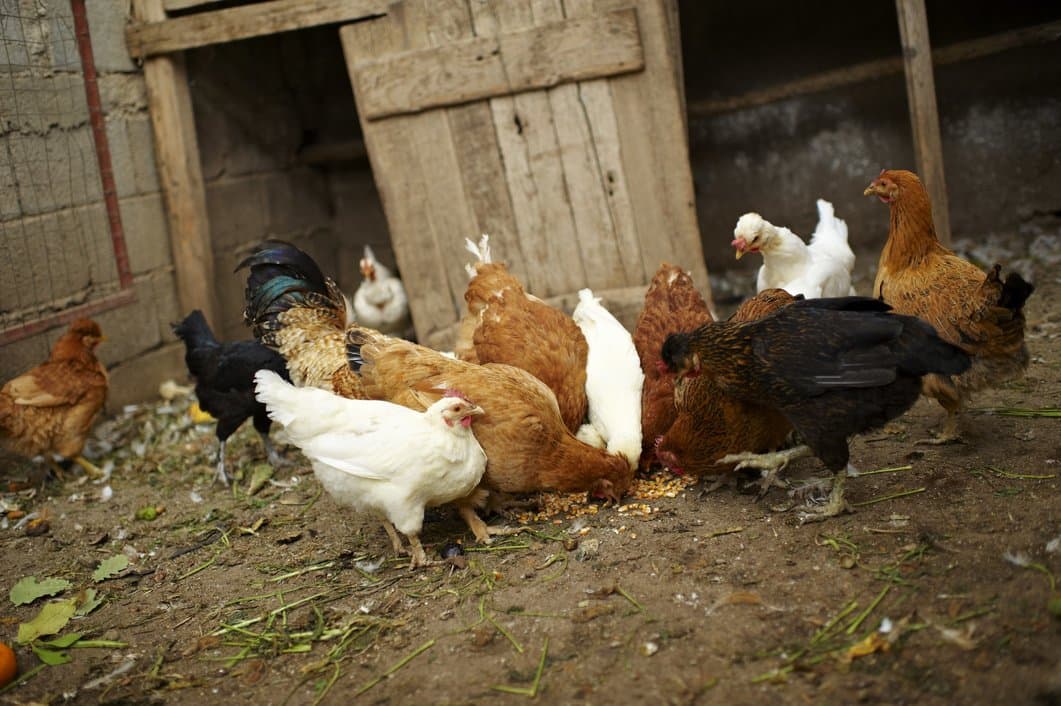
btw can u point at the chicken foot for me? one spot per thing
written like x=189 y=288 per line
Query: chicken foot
x=416 y=549
x=835 y=504
x=91 y=469
x=274 y=458
x=769 y=463
x=949 y=434
x=221 y=474
x=482 y=531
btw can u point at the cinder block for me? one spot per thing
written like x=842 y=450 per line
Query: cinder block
x=36 y=104
x=55 y=171
x=142 y=149
x=299 y=202
x=137 y=380
x=22 y=355
x=125 y=93
x=121 y=157
x=237 y=211
x=106 y=25
x=146 y=233
x=131 y=329
x=63 y=43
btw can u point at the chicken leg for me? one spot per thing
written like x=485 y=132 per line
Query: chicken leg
x=91 y=469
x=274 y=458
x=416 y=549
x=769 y=463
x=949 y=434
x=221 y=474
x=836 y=504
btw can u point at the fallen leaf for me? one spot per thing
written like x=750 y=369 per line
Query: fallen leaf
x=110 y=567
x=874 y=642
x=88 y=601
x=52 y=618
x=50 y=657
x=592 y=612
x=30 y=589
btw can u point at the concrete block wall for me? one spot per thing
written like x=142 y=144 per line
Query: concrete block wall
x=53 y=227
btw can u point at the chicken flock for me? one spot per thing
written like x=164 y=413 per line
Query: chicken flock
x=533 y=399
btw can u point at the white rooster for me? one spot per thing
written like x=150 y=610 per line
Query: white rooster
x=820 y=269
x=380 y=301
x=380 y=457
x=613 y=380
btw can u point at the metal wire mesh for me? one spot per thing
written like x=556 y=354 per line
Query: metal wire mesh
x=54 y=229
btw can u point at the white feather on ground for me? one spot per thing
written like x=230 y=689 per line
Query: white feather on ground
x=613 y=378
x=380 y=301
x=379 y=457
x=821 y=269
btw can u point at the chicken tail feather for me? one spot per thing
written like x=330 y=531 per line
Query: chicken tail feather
x=921 y=351
x=1015 y=291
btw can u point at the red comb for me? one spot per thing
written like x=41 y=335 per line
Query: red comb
x=881 y=173
x=455 y=393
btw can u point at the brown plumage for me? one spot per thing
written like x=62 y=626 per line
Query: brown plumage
x=50 y=409
x=710 y=424
x=527 y=445
x=298 y=312
x=506 y=325
x=974 y=310
x=672 y=304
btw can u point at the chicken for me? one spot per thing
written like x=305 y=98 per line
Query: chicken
x=381 y=457
x=380 y=301
x=820 y=269
x=224 y=382
x=50 y=408
x=977 y=311
x=506 y=325
x=709 y=423
x=295 y=310
x=672 y=304
x=831 y=367
x=527 y=445
x=613 y=378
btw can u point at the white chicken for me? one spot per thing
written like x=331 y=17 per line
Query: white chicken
x=380 y=301
x=820 y=269
x=380 y=457
x=613 y=380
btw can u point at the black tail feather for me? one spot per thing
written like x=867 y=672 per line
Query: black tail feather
x=921 y=351
x=1015 y=291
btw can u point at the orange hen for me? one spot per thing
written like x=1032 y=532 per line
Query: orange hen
x=506 y=325
x=50 y=409
x=672 y=303
x=976 y=311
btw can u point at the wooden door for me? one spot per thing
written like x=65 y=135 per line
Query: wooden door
x=556 y=127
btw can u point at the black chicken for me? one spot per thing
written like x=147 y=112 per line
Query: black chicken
x=832 y=367
x=224 y=381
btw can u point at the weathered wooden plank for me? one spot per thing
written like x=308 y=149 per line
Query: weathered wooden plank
x=535 y=178
x=171 y=5
x=595 y=232
x=654 y=151
x=482 y=67
x=180 y=173
x=924 y=118
x=160 y=35
x=401 y=182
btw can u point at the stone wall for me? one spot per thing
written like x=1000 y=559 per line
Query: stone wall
x=47 y=221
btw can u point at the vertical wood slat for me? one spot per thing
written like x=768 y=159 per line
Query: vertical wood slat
x=924 y=116
x=528 y=146
x=654 y=149
x=180 y=173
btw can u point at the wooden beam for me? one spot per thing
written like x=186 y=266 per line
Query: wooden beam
x=880 y=68
x=180 y=173
x=171 y=5
x=160 y=35
x=485 y=67
x=924 y=118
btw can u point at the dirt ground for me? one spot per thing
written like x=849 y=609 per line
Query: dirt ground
x=279 y=596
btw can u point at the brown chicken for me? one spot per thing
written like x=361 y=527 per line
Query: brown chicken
x=711 y=424
x=832 y=367
x=528 y=447
x=301 y=314
x=672 y=304
x=50 y=409
x=506 y=325
x=977 y=312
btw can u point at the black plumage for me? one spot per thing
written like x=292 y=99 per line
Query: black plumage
x=224 y=380
x=833 y=367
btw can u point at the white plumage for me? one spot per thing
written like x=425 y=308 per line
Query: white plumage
x=380 y=301
x=613 y=379
x=820 y=269
x=380 y=457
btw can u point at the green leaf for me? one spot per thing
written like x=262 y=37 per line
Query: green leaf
x=63 y=641
x=90 y=600
x=51 y=657
x=148 y=513
x=52 y=618
x=29 y=589
x=110 y=567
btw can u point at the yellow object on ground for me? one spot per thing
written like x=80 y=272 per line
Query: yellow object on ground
x=199 y=416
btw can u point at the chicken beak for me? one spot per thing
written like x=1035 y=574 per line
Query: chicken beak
x=870 y=190
x=476 y=411
x=739 y=244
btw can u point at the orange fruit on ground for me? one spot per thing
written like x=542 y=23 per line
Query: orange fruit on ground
x=8 y=666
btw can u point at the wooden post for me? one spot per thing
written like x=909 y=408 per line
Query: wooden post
x=177 y=153
x=924 y=118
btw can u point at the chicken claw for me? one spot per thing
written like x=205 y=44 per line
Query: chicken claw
x=949 y=434
x=835 y=505
x=770 y=463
